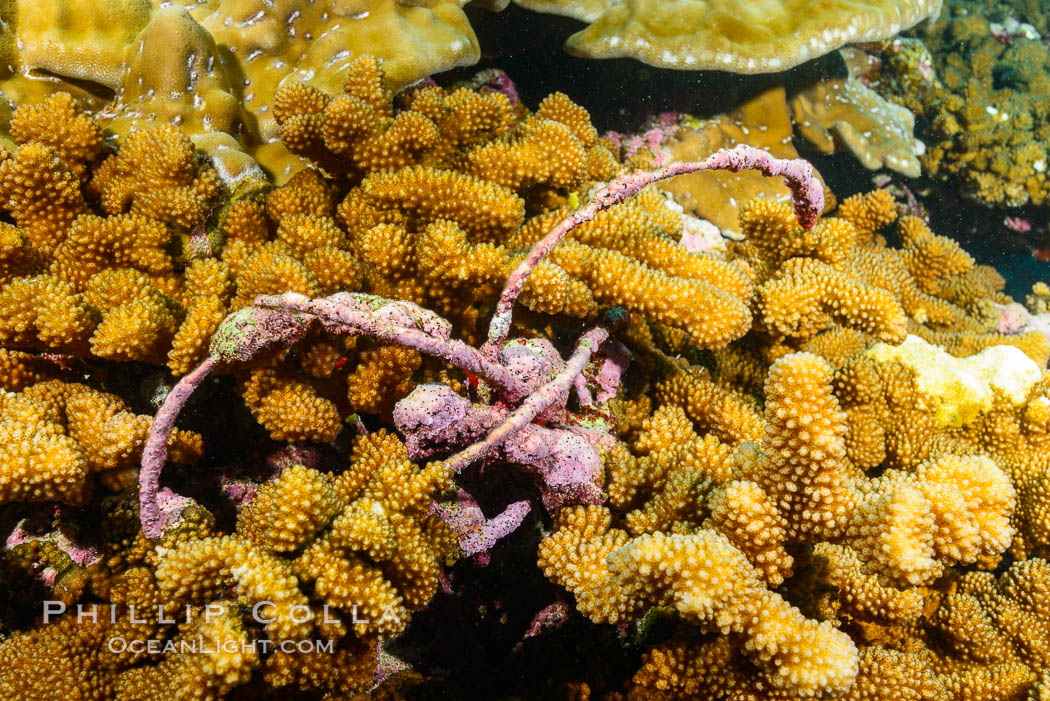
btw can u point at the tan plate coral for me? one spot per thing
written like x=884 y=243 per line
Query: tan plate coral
x=725 y=35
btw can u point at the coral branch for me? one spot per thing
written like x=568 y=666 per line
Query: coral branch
x=566 y=463
x=363 y=315
x=807 y=195
x=153 y=515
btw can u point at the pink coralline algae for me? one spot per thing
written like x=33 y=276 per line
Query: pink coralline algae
x=538 y=435
x=548 y=619
x=1015 y=319
x=1010 y=29
x=1018 y=224
x=653 y=135
x=46 y=573
x=495 y=80
x=477 y=534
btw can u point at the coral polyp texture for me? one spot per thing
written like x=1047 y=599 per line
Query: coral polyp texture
x=461 y=406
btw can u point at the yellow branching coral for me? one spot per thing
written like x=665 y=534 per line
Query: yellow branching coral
x=447 y=257
x=202 y=569
x=224 y=659
x=464 y=117
x=747 y=517
x=868 y=213
x=694 y=670
x=860 y=594
x=213 y=68
x=19 y=370
x=42 y=194
x=717 y=408
x=711 y=316
x=999 y=620
x=674 y=480
x=543 y=151
x=44 y=311
x=873 y=539
x=787 y=489
x=288 y=406
x=40 y=461
x=647 y=230
x=54 y=436
x=17 y=257
x=272 y=269
x=485 y=210
x=138 y=321
x=382 y=376
x=615 y=578
x=361 y=540
x=907 y=527
x=929 y=257
x=156 y=174
x=93 y=244
x=840 y=274
x=804 y=468
x=34 y=658
x=207 y=289
x=289 y=512
x=806 y=293
x=58 y=123
x=353 y=130
x=443 y=226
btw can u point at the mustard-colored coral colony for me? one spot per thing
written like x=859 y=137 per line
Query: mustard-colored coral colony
x=724 y=454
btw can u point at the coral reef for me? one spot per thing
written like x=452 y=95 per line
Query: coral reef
x=465 y=398
x=831 y=113
x=846 y=113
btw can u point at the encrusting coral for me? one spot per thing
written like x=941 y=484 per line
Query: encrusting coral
x=844 y=112
x=807 y=464
x=831 y=112
x=981 y=100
